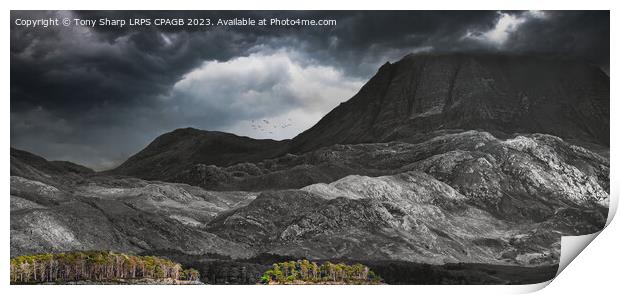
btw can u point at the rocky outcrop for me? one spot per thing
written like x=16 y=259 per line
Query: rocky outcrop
x=466 y=197
x=408 y=216
x=527 y=176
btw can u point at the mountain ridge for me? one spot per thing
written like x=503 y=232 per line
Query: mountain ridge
x=417 y=98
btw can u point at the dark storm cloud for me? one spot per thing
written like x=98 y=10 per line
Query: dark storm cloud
x=569 y=34
x=76 y=68
x=98 y=95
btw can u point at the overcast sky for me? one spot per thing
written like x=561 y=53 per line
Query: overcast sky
x=95 y=96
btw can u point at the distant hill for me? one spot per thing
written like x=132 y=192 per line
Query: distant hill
x=54 y=209
x=34 y=167
x=171 y=153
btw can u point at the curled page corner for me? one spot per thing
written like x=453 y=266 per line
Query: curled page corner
x=613 y=204
x=571 y=246
x=527 y=289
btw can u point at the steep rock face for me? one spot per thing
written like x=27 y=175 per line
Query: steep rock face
x=501 y=94
x=172 y=152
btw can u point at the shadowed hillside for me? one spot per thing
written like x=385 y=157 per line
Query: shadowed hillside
x=421 y=94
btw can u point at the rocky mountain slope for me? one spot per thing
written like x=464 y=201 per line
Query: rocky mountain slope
x=421 y=94
x=466 y=197
x=100 y=212
x=512 y=176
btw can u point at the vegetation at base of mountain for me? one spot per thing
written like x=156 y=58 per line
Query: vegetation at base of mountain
x=219 y=270
x=304 y=272
x=95 y=266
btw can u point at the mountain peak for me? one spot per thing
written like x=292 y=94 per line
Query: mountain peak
x=426 y=93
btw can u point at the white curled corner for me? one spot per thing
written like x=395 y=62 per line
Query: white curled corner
x=571 y=246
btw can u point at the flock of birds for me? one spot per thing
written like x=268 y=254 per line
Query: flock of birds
x=267 y=126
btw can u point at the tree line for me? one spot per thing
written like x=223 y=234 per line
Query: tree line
x=94 y=266
x=310 y=272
